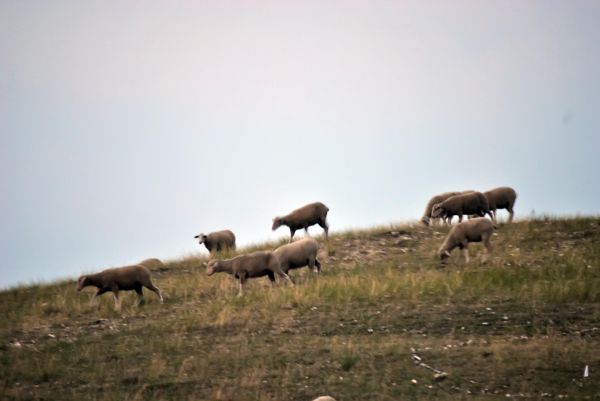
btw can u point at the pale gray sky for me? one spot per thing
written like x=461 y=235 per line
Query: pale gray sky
x=128 y=127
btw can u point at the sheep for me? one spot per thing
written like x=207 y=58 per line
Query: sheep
x=475 y=230
x=152 y=263
x=120 y=279
x=426 y=219
x=467 y=203
x=299 y=254
x=217 y=241
x=324 y=398
x=501 y=198
x=304 y=217
x=256 y=264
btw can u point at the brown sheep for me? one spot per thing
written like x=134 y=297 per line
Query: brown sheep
x=501 y=198
x=152 y=263
x=120 y=279
x=464 y=204
x=475 y=230
x=256 y=264
x=427 y=218
x=299 y=254
x=217 y=241
x=304 y=217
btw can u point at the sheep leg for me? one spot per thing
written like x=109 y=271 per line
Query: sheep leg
x=465 y=251
x=325 y=226
x=511 y=213
x=292 y=231
x=98 y=293
x=306 y=234
x=318 y=266
x=140 y=295
x=242 y=281
x=460 y=216
x=115 y=292
x=154 y=289
x=285 y=277
x=271 y=276
x=488 y=247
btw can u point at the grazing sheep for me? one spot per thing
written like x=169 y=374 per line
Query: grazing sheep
x=152 y=263
x=304 y=217
x=501 y=198
x=256 y=264
x=299 y=254
x=475 y=230
x=427 y=217
x=217 y=241
x=120 y=279
x=463 y=204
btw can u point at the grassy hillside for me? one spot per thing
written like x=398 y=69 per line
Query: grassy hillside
x=379 y=323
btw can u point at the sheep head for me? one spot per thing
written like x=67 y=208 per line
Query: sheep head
x=201 y=238
x=211 y=267
x=276 y=223
x=436 y=210
x=82 y=282
x=444 y=255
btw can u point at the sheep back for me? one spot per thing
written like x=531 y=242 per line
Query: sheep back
x=123 y=278
x=465 y=204
x=297 y=254
x=305 y=216
x=433 y=201
x=217 y=240
x=501 y=198
x=256 y=264
x=152 y=263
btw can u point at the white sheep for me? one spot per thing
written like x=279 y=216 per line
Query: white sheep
x=299 y=254
x=120 y=279
x=474 y=230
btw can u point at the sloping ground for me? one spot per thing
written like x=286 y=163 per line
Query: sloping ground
x=382 y=322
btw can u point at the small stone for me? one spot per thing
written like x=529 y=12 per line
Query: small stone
x=440 y=376
x=414 y=381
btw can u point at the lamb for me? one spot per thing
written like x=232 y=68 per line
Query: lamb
x=217 y=241
x=120 y=279
x=475 y=230
x=152 y=263
x=304 y=217
x=466 y=203
x=299 y=254
x=501 y=198
x=256 y=264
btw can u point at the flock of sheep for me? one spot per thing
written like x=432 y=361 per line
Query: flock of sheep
x=304 y=252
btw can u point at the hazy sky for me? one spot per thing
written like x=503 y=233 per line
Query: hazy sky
x=126 y=128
